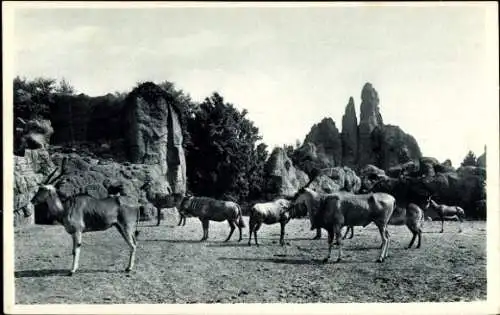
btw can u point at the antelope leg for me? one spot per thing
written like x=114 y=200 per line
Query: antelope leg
x=77 y=243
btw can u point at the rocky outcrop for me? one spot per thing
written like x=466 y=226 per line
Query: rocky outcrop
x=335 y=179
x=100 y=178
x=349 y=136
x=282 y=178
x=29 y=171
x=464 y=187
x=33 y=134
x=392 y=146
x=154 y=134
x=326 y=137
x=369 y=175
x=370 y=118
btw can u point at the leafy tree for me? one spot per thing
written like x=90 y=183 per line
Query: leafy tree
x=64 y=87
x=32 y=99
x=470 y=159
x=222 y=159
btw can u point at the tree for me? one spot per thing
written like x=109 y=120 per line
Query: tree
x=223 y=161
x=32 y=99
x=469 y=160
x=64 y=87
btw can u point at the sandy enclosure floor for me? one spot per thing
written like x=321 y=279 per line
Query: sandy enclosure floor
x=172 y=266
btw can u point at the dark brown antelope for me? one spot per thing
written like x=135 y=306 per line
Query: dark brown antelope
x=163 y=200
x=340 y=210
x=82 y=213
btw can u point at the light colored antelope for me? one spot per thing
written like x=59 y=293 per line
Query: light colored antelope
x=82 y=213
x=209 y=209
x=446 y=212
x=276 y=211
x=412 y=216
x=162 y=200
x=340 y=210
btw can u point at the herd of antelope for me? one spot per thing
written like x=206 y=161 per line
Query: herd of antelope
x=82 y=213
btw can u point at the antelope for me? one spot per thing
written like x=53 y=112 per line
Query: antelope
x=164 y=200
x=82 y=213
x=269 y=213
x=448 y=212
x=339 y=210
x=209 y=209
x=412 y=216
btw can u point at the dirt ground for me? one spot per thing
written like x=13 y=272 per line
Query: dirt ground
x=172 y=266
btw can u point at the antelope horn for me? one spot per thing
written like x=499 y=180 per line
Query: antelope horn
x=47 y=180
x=61 y=173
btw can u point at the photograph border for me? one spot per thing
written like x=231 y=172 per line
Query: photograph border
x=490 y=306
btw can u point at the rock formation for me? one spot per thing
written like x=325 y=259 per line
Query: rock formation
x=282 y=178
x=29 y=171
x=33 y=134
x=154 y=134
x=335 y=179
x=349 y=136
x=326 y=137
x=391 y=146
x=370 y=118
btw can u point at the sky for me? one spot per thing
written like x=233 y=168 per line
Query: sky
x=435 y=67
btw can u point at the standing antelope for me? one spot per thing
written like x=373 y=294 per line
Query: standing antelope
x=82 y=213
x=412 y=216
x=269 y=213
x=209 y=209
x=164 y=200
x=340 y=210
x=448 y=212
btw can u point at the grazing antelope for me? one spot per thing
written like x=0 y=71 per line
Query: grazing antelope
x=209 y=209
x=82 y=213
x=163 y=200
x=446 y=212
x=339 y=210
x=269 y=213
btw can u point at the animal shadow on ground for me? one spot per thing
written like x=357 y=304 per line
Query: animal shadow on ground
x=173 y=241
x=278 y=260
x=57 y=272
x=228 y=244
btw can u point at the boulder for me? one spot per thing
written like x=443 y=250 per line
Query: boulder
x=369 y=175
x=154 y=134
x=29 y=171
x=392 y=146
x=326 y=137
x=349 y=136
x=370 y=118
x=283 y=179
x=33 y=134
x=344 y=178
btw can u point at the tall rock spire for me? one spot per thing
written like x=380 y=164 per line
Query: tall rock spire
x=350 y=136
x=370 y=118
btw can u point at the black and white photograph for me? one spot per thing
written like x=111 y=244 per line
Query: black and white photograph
x=250 y=157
